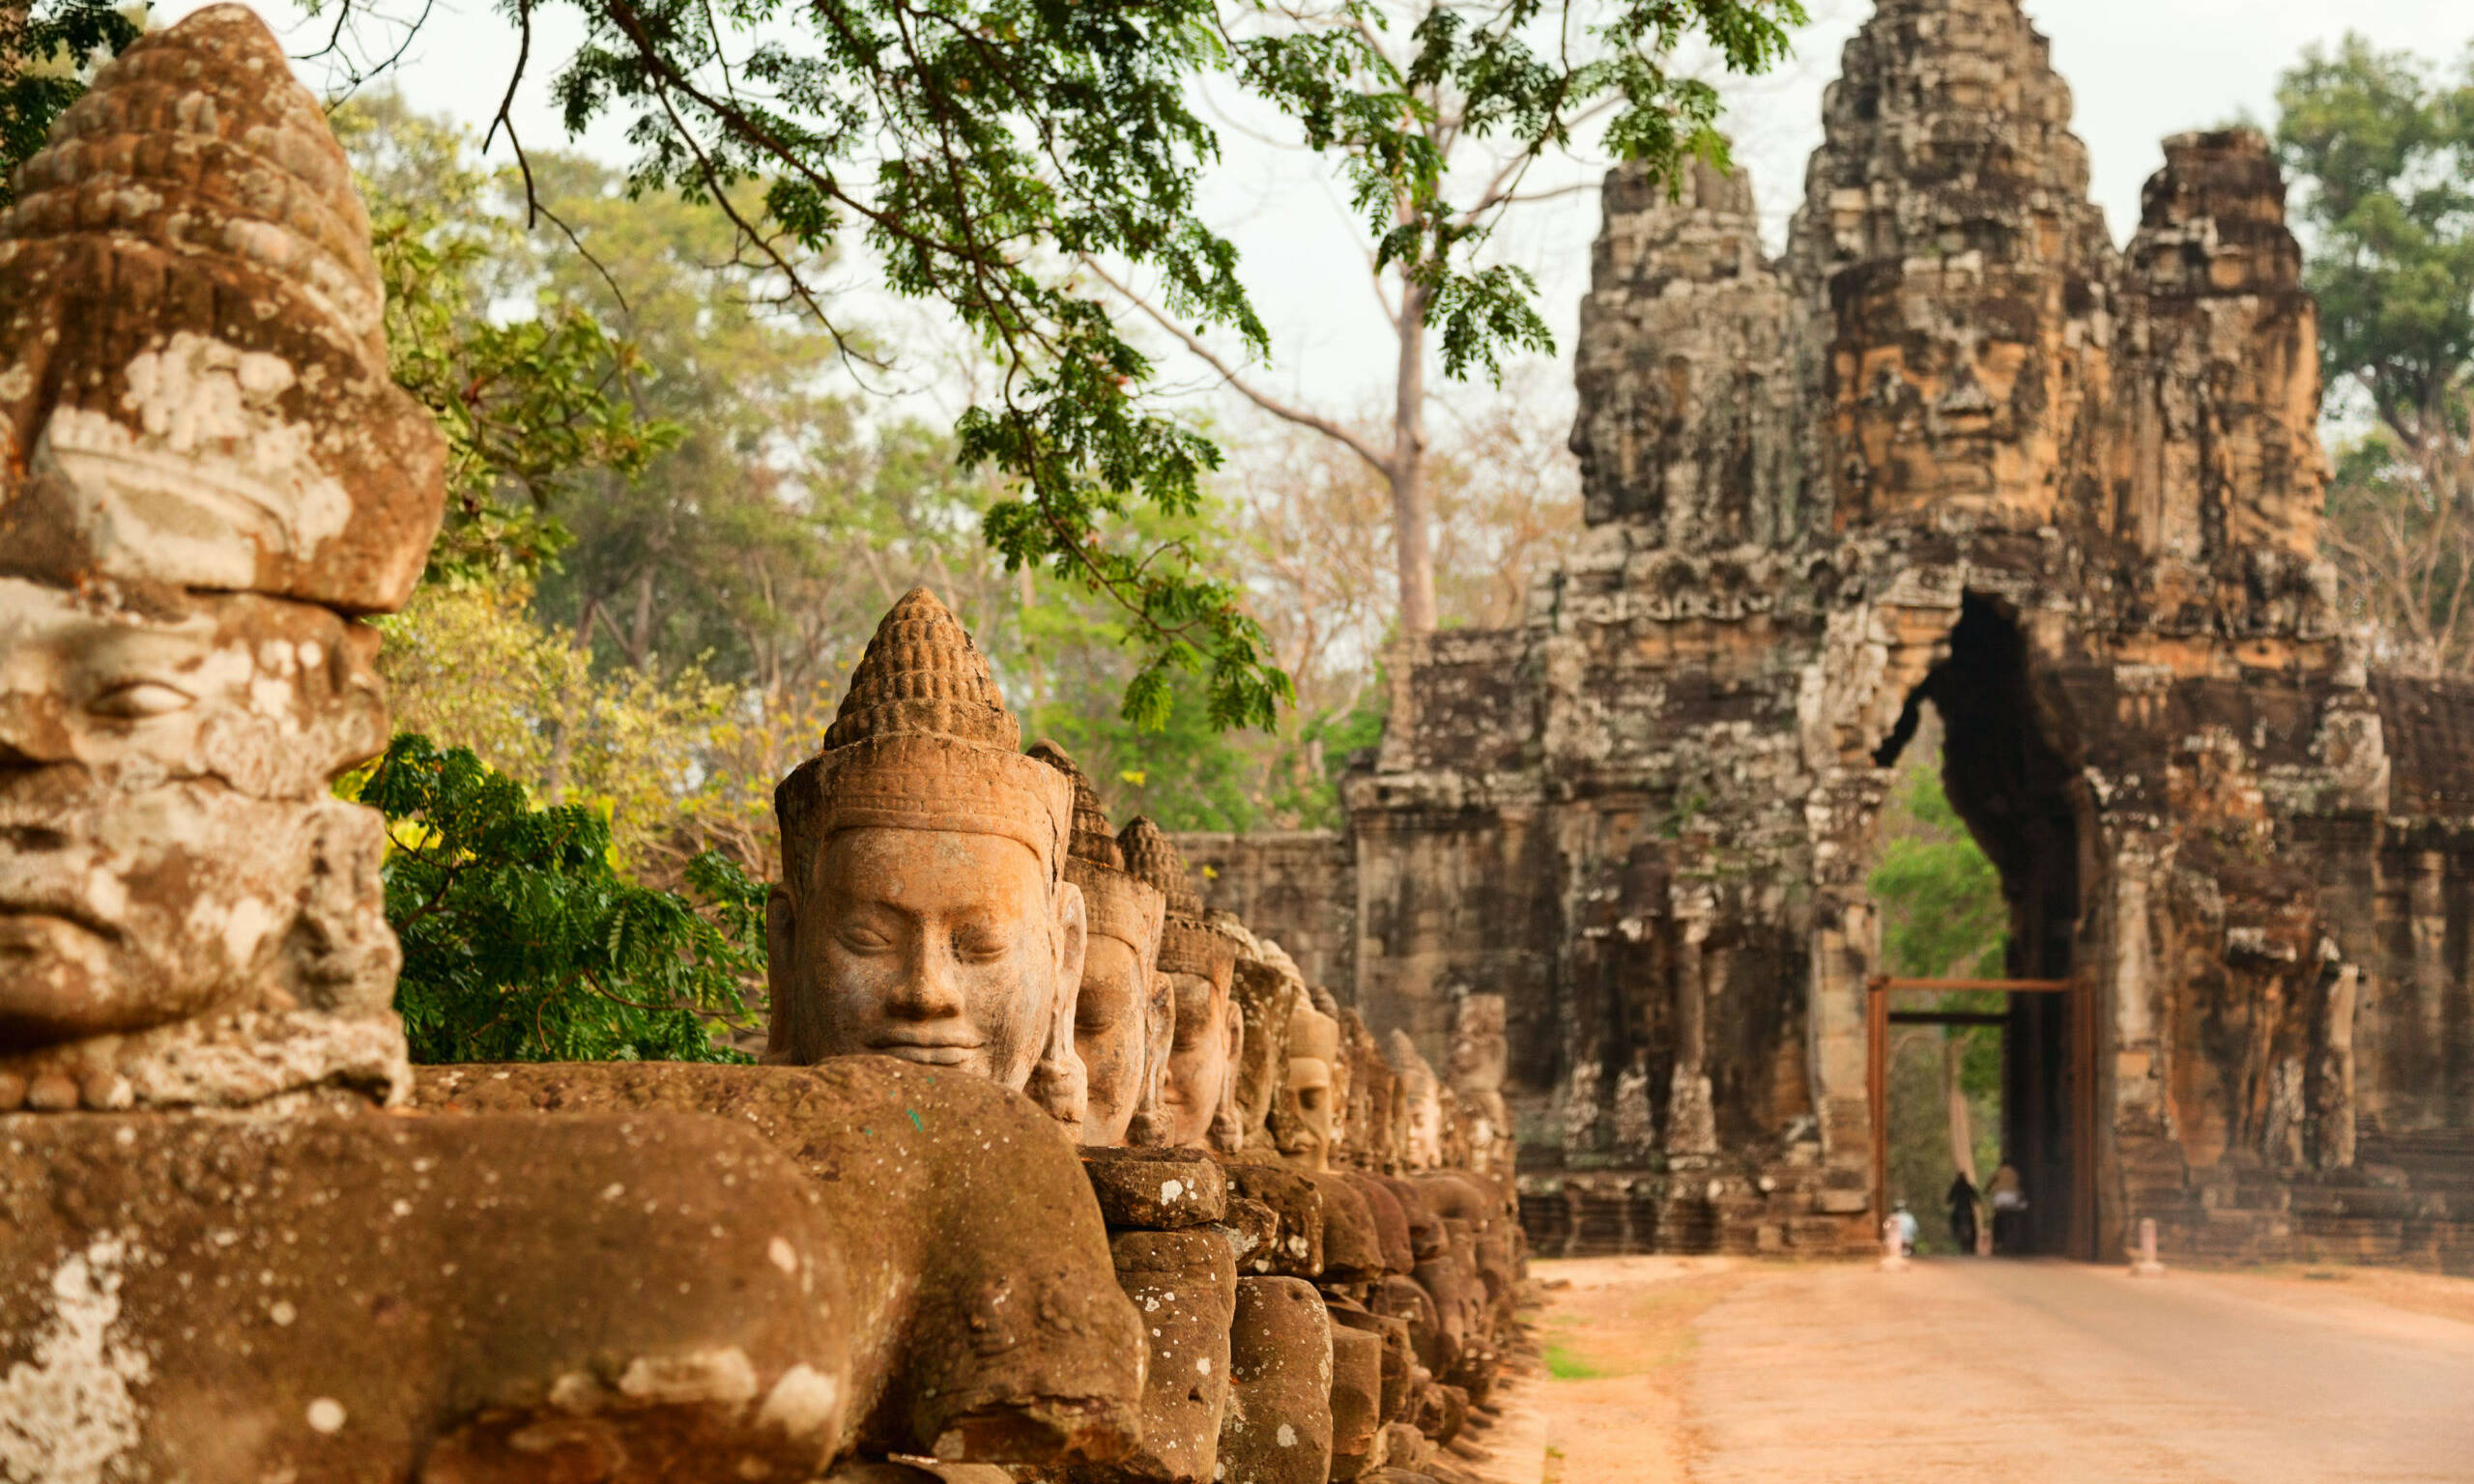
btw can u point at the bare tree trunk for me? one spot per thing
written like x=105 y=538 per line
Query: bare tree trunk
x=1412 y=515
x=563 y=720
x=640 y=647
x=1954 y=1097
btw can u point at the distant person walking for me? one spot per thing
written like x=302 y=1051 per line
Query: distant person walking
x=1907 y=1228
x=1963 y=1212
x=2008 y=1198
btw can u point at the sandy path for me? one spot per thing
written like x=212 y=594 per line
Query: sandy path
x=1618 y=1334
x=1999 y=1373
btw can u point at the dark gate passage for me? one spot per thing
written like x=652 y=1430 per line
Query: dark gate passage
x=2019 y=796
x=2061 y=1205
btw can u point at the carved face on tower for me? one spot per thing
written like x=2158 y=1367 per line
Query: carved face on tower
x=206 y=472
x=1302 y=1126
x=1929 y=397
x=923 y=911
x=1110 y=1031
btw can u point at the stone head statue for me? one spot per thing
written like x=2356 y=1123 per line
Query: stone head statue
x=1422 y=1104
x=1305 y=1124
x=1371 y=1088
x=1198 y=959
x=1108 y=1034
x=1327 y=1005
x=1199 y=964
x=207 y=474
x=924 y=912
x=1480 y=1058
x=1267 y=990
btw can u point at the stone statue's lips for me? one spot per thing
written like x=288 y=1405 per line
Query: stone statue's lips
x=29 y=908
x=930 y=1049
x=18 y=924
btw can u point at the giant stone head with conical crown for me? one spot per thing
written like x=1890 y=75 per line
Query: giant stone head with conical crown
x=207 y=475
x=924 y=911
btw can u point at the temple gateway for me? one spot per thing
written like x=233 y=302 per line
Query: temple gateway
x=1952 y=449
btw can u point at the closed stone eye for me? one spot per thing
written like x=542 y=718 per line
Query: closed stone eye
x=138 y=699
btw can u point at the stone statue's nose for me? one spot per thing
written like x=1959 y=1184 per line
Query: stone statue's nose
x=929 y=991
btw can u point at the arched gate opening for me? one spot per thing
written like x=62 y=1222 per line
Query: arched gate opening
x=2013 y=783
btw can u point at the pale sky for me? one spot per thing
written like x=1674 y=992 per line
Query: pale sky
x=2140 y=69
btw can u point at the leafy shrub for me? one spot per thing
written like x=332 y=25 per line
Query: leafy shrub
x=522 y=942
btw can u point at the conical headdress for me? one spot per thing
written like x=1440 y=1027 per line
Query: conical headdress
x=1313 y=1034
x=923 y=672
x=1093 y=840
x=1149 y=853
x=194 y=376
x=923 y=741
x=1188 y=943
x=1121 y=904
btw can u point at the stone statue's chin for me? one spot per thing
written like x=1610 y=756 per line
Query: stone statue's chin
x=50 y=967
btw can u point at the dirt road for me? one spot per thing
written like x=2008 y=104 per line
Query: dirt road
x=1710 y=1372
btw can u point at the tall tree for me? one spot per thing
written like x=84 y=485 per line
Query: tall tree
x=533 y=405
x=1438 y=114
x=2382 y=145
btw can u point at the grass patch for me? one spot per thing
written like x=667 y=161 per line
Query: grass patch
x=1564 y=1365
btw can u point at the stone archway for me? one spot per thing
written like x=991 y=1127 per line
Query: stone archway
x=2008 y=771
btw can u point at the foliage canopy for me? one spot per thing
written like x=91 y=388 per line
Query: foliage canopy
x=44 y=51
x=980 y=149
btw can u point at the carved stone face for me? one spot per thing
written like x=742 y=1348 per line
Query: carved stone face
x=1425 y=1114
x=266 y=697
x=1112 y=1031
x=1929 y=365
x=122 y=909
x=934 y=946
x=1198 y=1059
x=1305 y=1104
x=166 y=844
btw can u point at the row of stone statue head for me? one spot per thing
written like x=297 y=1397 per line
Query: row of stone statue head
x=953 y=900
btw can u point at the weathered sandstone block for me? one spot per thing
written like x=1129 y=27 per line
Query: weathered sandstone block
x=987 y=1322
x=1279 y=1423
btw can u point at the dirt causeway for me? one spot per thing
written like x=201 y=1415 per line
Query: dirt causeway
x=1664 y=1370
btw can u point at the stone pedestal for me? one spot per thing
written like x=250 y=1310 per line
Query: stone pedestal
x=1279 y=1425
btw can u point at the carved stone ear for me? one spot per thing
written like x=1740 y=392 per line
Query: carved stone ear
x=340 y=957
x=1228 y=1122
x=781 y=941
x=1073 y=932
